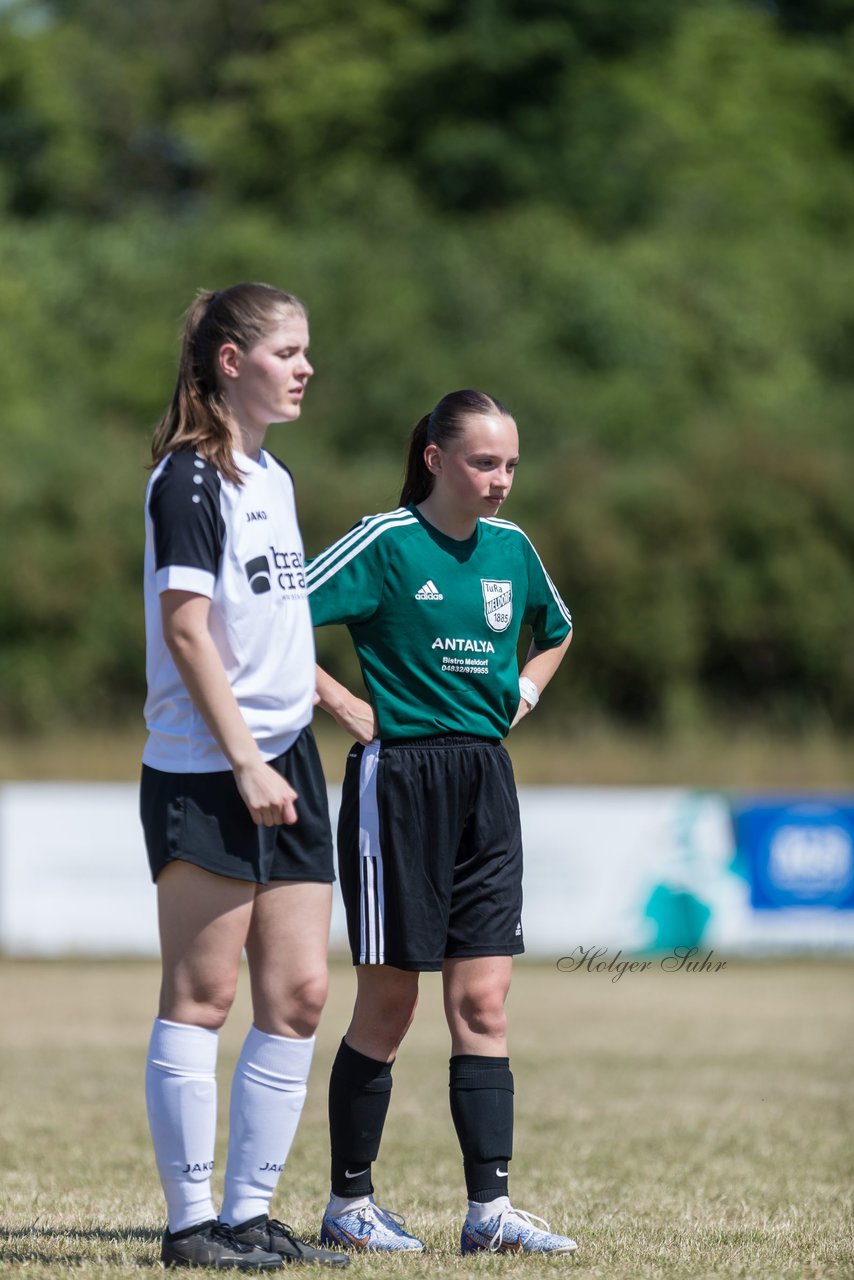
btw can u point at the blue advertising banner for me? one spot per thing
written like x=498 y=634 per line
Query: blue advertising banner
x=797 y=853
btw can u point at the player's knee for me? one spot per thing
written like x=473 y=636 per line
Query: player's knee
x=483 y=1013
x=394 y=1016
x=385 y=1017
x=206 y=1006
x=307 y=1001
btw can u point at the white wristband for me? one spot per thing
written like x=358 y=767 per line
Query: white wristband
x=529 y=691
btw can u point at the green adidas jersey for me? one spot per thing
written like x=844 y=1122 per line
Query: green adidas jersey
x=436 y=621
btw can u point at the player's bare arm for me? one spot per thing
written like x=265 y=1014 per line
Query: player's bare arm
x=269 y=798
x=540 y=666
x=353 y=714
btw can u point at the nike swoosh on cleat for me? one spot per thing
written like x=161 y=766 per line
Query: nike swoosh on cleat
x=359 y=1242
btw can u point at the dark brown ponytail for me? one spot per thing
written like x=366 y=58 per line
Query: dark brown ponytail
x=440 y=426
x=417 y=480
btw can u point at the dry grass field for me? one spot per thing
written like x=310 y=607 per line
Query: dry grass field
x=678 y=1125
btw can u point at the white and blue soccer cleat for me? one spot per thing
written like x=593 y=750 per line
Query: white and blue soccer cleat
x=369 y=1229
x=513 y=1231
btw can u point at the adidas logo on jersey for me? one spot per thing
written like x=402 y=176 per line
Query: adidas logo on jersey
x=429 y=591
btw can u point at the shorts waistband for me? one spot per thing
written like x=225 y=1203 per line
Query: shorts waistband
x=442 y=740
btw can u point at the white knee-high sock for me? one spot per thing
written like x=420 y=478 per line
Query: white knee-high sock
x=267 y=1097
x=180 y=1094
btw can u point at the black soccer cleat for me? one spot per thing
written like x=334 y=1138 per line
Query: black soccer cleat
x=210 y=1244
x=278 y=1237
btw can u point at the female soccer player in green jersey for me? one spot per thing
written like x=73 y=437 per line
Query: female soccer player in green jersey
x=430 y=854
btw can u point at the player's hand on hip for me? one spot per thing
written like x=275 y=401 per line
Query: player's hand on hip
x=357 y=718
x=524 y=709
x=269 y=798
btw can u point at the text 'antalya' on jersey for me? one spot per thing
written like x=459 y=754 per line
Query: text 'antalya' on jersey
x=435 y=621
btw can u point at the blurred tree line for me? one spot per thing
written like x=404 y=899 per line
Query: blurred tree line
x=631 y=220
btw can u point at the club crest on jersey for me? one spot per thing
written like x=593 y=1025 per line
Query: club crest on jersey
x=497 y=603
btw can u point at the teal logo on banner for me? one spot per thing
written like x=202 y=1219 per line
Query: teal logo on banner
x=799 y=854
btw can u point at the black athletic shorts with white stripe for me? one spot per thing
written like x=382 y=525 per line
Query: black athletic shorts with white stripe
x=430 y=852
x=202 y=818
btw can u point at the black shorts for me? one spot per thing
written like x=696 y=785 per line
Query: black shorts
x=203 y=819
x=430 y=852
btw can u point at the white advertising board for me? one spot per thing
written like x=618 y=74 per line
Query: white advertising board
x=612 y=868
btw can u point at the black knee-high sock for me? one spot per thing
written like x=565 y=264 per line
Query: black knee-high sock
x=359 y=1094
x=482 y=1111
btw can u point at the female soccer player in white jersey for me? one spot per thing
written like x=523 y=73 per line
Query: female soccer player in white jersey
x=430 y=854
x=233 y=799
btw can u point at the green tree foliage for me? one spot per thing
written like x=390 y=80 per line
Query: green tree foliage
x=633 y=222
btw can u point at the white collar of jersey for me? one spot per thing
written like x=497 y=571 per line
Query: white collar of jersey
x=245 y=462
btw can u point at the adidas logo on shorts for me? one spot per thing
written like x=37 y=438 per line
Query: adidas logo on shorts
x=429 y=591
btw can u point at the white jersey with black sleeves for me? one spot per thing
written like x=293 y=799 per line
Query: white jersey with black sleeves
x=240 y=546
